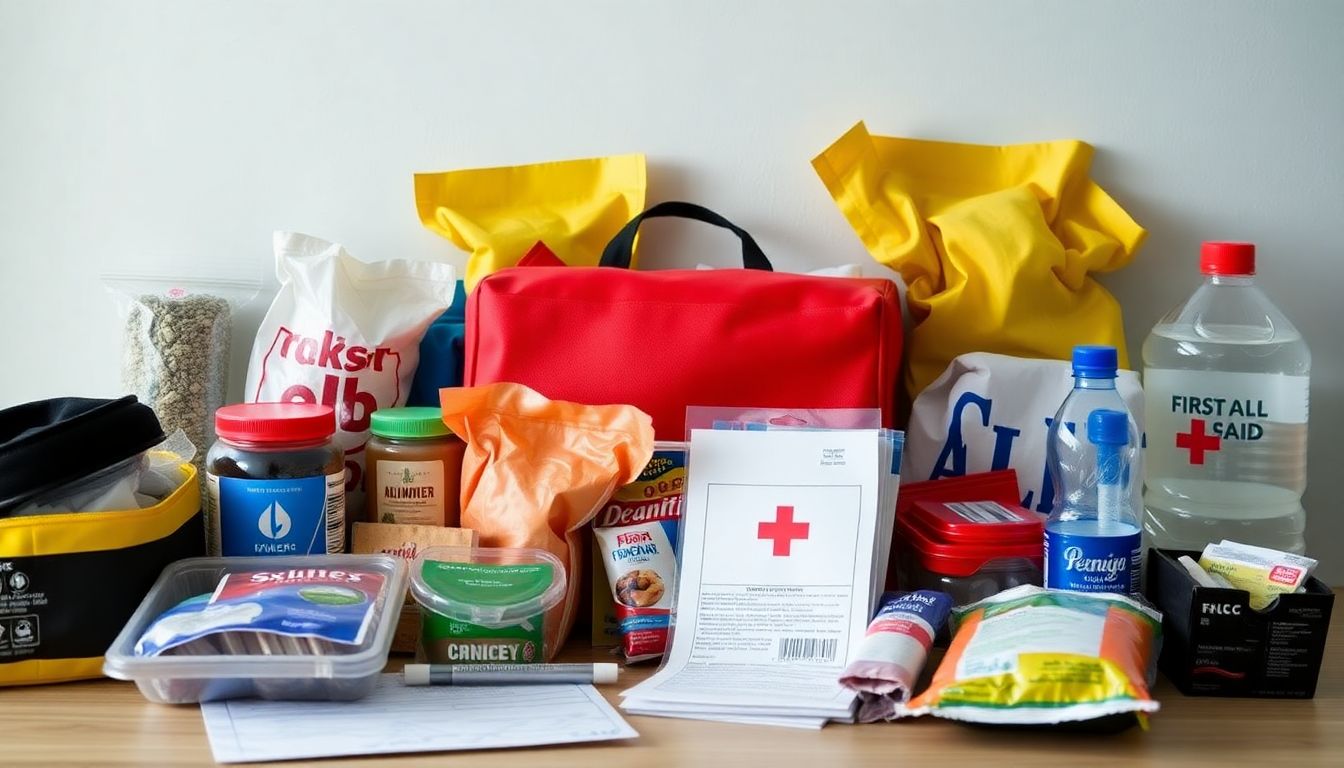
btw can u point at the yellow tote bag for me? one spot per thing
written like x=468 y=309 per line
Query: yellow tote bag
x=499 y=214
x=996 y=245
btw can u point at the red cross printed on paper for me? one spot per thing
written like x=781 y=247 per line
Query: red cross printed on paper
x=1197 y=442
x=782 y=531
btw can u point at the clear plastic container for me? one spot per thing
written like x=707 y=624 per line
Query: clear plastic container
x=347 y=674
x=1226 y=380
x=970 y=550
x=486 y=605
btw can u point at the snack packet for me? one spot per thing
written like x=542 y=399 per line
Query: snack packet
x=1263 y=573
x=1033 y=656
x=574 y=207
x=637 y=541
x=537 y=470
x=296 y=611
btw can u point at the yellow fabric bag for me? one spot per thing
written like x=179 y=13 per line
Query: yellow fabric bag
x=996 y=245
x=499 y=214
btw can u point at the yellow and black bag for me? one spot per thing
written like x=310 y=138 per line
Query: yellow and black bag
x=69 y=582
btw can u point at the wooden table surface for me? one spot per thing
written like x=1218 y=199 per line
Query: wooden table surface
x=106 y=722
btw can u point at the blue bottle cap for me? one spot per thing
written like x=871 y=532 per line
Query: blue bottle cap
x=1107 y=427
x=1094 y=361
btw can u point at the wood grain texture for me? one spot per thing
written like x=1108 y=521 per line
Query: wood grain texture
x=107 y=723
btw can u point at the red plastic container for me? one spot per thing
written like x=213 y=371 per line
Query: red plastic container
x=969 y=549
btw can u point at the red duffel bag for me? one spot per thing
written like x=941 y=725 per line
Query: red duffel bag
x=663 y=340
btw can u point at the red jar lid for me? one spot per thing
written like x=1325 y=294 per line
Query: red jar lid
x=275 y=422
x=959 y=538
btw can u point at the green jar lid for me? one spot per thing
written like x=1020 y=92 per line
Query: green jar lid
x=409 y=423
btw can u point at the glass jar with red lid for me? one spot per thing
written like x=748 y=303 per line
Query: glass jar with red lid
x=275 y=481
x=969 y=549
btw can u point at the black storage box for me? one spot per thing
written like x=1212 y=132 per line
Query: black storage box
x=1215 y=644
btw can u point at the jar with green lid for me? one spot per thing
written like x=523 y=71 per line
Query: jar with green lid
x=414 y=468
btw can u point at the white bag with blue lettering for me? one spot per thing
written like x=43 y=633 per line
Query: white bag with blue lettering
x=988 y=412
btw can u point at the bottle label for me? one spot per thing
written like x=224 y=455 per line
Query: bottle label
x=409 y=492
x=1203 y=421
x=1093 y=563
x=292 y=516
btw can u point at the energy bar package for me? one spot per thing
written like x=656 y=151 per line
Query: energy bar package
x=1033 y=656
x=637 y=538
x=1264 y=573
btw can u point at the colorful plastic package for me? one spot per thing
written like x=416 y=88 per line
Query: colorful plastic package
x=636 y=534
x=537 y=470
x=1032 y=656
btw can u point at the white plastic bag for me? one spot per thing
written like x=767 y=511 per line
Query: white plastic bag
x=344 y=333
x=988 y=412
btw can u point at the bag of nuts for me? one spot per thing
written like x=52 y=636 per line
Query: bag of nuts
x=175 y=347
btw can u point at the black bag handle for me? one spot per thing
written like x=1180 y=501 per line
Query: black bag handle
x=618 y=251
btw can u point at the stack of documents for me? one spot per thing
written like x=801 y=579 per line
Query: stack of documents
x=785 y=541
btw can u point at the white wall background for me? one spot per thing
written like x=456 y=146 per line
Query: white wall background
x=135 y=135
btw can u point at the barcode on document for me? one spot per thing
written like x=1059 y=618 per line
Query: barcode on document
x=806 y=648
x=984 y=512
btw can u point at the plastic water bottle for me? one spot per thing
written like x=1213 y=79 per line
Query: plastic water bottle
x=1092 y=539
x=1225 y=382
x=1094 y=544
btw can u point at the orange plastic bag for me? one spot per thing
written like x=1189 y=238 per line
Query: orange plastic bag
x=537 y=470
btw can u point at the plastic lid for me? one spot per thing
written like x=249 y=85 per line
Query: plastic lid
x=1227 y=258
x=1094 y=361
x=963 y=559
x=409 y=423
x=492 y=587
x=275 y=422
x=1107 y=427
x=976 y=522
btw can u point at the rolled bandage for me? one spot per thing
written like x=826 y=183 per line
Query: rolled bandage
x=1263 y=573
x=891 y=657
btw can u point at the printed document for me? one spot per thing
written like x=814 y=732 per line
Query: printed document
x=399 y=718
x=782 y=534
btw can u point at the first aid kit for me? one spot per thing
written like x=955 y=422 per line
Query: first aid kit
x=664 y=340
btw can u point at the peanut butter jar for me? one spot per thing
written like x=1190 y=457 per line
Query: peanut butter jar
x=414 y=468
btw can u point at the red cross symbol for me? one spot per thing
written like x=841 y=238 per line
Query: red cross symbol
x=783 y=531
x=1197 y=442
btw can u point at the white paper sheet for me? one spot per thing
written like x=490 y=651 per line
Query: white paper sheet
x=398 y=718
x=777 y=576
